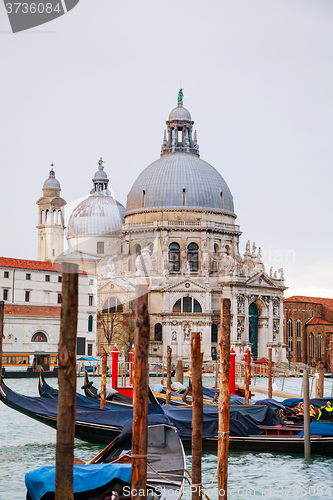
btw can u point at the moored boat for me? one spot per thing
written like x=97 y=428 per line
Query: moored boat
x=110 y=471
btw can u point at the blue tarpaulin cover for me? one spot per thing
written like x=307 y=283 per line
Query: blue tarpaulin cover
x=275 y=405
x=316 y=402
x=320 y=428
x=86 y=478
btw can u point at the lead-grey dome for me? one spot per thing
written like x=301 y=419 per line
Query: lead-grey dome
x=99 y=214
x=51 y=182
x=162 y=183
x=180 y=113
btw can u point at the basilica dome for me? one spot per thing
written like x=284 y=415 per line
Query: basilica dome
x=180 y=178
x=51 y=182
x=99 y=214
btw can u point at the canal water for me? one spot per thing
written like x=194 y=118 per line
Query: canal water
x=27 y=444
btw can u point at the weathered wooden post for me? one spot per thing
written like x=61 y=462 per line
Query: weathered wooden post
x=320 y=381
x=168 y=386
x=247 y=377
x=67 y=383
x=103 y=380
x=179 y=372
x=306 y=407
x=224 y=401
x=197 y=415
x=131 y=365
x=2 y=313
x=140 y=395
x=270 y=384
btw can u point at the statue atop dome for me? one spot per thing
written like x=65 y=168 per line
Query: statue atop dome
x=180 y=97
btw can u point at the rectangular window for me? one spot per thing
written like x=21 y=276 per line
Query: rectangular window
x=27 y=296
x=91 y=282
x=28 y=276
x=5 y=295
x=89 y=349
x=47 y=277
x=91 y=299
x=100 y=247
x=6 y=274
x=59 y=298
x=81 y=346
x=59 y=279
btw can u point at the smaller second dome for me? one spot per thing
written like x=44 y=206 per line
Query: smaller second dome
x=180 y=113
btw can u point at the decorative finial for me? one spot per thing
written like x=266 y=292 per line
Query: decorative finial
x=52 y=174
x=100 y=164
x=180 y=97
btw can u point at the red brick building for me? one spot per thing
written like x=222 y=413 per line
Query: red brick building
x=308 y=329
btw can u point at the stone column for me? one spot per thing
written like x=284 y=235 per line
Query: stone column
x=270 y=320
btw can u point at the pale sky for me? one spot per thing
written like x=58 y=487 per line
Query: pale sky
x=101 y=80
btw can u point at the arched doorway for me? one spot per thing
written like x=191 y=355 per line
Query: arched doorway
x=253 y=329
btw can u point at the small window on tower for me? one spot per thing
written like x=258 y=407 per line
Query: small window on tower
x=59 y=279
x=5 y=295
x=6 y=274
x=91 y=299
x=100 y=247
x=59 y=298
x=28 y=276
x=47 y=277
x=27 y=296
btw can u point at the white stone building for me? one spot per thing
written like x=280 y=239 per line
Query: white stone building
x=179 y=235
x=31 y=291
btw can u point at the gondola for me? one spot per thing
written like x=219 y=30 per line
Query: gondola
x=92 y=424
x=110 y=471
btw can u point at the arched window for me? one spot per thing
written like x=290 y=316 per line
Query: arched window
x=227 y=249
x=54 y=216
x=216 y=250
x=193 y=256
x=299 y=338
x=90 y=323
x=138 y=250
x=113 y=305
x=319 y=346
x=174 y=257
x=290 y=336
x=151 y=249
x=311 y=345
x=42 y=217
x=213 y=333
x=39 y=337
x=47 y=217
x=158 y=332
x=59 y=216
x=187 y=305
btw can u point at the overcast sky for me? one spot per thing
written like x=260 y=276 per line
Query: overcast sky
x=101 y=80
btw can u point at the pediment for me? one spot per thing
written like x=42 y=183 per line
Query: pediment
x=261 y=280
x=186 y=285
x=114 y=285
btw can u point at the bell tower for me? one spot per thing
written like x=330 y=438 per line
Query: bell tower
x=51 y=208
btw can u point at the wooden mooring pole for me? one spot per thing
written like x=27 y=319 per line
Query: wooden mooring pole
x=140 y=395
x=319 y=391
x=306 y=407
x=168 y=386
x=103 y=380
x=197 y=415
x=270 y=384
x=224 y=401
x=67 y=383
x=179 y=372
x=2 y=312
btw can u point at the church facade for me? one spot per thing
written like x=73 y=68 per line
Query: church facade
x=178 y=234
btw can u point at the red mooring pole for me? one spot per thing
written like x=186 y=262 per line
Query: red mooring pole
x=114 y=373
x=232 y=371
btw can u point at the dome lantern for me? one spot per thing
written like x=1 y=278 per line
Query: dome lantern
x=178 y=136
